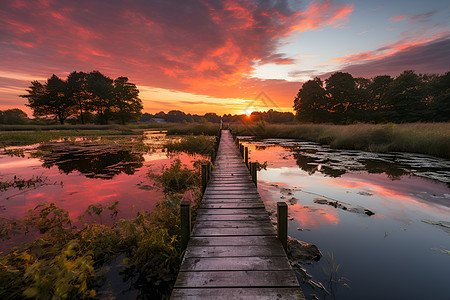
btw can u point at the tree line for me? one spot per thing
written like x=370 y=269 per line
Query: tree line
x=92 y=97
x=177 y=116
x=341 y=98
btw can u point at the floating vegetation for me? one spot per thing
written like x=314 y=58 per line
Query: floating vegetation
x=443 y=225
x=21 y=184
x=441 y=250
x=344 y=206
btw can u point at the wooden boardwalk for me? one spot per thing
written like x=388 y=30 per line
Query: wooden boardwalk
x=234 y=252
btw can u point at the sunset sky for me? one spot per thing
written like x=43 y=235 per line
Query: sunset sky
x=203 y=56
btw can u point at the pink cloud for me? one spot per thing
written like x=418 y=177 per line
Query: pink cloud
x=208 y=47
x=397 y=18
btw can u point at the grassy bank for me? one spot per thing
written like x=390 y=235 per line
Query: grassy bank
x=29 y=138
x=426 y=138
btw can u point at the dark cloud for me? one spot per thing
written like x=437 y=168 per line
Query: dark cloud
x=421 y=18
x=432 y=57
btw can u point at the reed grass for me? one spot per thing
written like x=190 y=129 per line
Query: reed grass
x=425 y=138
x=29 y=138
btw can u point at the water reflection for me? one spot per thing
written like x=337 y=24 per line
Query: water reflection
x=92 y=160
x=378 y=214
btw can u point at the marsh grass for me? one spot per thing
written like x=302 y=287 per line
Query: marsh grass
x=191 y=144
x=29 y=138
x=426 y=138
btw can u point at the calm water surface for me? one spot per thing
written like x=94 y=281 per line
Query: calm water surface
x=390 y=232
x=397 y=251
x=77 y=174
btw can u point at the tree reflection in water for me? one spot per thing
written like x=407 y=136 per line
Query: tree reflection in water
x=91 y=160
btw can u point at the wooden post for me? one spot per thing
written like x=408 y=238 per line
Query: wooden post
x=185 y=216
x=246 y=156
x=212 y=155
x=209 y=170
x=282 y=223
x=254 y=172
x=204 y=177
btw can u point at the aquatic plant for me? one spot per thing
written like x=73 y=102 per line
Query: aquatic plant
x=191 y=144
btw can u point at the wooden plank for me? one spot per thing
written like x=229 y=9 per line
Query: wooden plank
x=233 y=205
x=260 y=293
x=255 y=263
x=236 y=196
x=241 y=217
x=233 y=231
x=237 y=279
x=233 y=211
x=233 y=241
x=273 y=250
x=231 y=224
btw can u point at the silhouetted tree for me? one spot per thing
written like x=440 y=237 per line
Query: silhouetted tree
x=50 y=99
x=76 y=87
x=310 y=103
x=126 y=102
x=342 y=95
x=13 y=116
x=100 y=88
x=404 y=100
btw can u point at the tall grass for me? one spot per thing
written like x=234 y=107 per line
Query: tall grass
x=426 y=138
x=29 y=138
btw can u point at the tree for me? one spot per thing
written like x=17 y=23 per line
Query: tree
x=310 y=102
x=126 y=102
x=341 y=90
x=100 y=89
x=404 y=99
x=13 y=116
x=50 y=99
x=76 y=87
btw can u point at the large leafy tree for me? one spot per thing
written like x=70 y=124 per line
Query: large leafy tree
x=100 y=89
x=342 y=92
x=311 y=103
x=405 y=98
x=50 y=99
x=126 y=102
x=76 y=88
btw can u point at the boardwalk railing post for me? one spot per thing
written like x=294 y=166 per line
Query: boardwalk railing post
x=253 y=171
x=282 y=223
x=185 y=217
x=246 y=156
x=209 y=170
x=204 y=177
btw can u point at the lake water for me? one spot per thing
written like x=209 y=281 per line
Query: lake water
x=385 y=218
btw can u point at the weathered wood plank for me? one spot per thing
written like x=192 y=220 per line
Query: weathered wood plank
x=237 y=279
x=260 y=293
x=233 y=205
x=232 y=211
x=231 y=224
x=233 y=241
x=254 y=263
x=233 y=231
x=241 y=217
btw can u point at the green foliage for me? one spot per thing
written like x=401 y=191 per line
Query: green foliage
x=200 y=144
x=177 y=178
